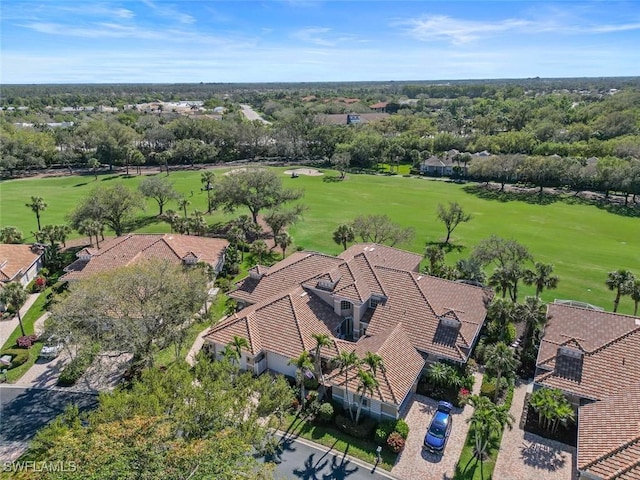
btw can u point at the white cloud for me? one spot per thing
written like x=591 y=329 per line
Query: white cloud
x=170 y=12
x=460 y=31
x=315 y=35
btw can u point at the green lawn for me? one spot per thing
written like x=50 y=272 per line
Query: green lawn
x=330 y=436
x=584 y=242
x=29 y=319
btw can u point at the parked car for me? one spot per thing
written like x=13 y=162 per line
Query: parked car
x=439 y=429
x=51 y=350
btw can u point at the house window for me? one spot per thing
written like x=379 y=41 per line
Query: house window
x=373 y=303
x=345 y=305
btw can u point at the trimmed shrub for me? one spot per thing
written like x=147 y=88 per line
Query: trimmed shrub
x=27 y=341
x=325 y=414
x=363 y=429
x=395 y=442
x=383 y=431
x=19 y=356
x=402 y=428
x=488 y=389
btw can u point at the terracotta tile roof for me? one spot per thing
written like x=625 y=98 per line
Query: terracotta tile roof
x=609 y=436
x=606 y=349
x=15 y=260
x=283 y=276
x=342 y=118
x=402 y=364
x=128 y=249
x=283 y=324
x=418 y=301
x=384 y=256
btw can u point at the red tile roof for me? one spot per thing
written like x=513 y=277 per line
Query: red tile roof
x=15 y=260
x=283 y=324
x=402 y=364
x=128 y=249
x=609 y=436
x=607 y=347
x=384 y=256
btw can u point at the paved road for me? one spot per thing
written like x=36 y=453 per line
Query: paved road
x=251 y=114
x=305 y=460
x=23 y=411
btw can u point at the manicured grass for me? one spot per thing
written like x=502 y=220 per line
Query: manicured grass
x=329 y=436
x=29 y=319
x=583 y=241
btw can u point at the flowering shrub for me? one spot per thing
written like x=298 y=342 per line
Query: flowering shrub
x=395 y=442
x=463 y=395
x=27 y=341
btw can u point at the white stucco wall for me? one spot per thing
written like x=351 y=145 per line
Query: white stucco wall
x=279 y=363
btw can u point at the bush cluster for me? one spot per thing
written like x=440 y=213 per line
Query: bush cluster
x=26 y=341
x=76 y=367
x=395 y=442
x=364 y=429
x=325 y=413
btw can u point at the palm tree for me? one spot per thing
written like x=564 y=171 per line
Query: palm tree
x=304 y=366
x=367 y=383
x=443 y=375
x=621 y=281
x=533 y=313
x=552 y=407
x=635 y=295
x=541 y=277
x=283 y=240
x=15 y=295
x=485 y=420
x=37 y=206
x=345 y=361
x=322 y=340
x=183 y=203
x=61 y=232
x=343 y=235
x=501 y=314
x=436 y=256
x=374 y=361
x=93 y=164
x=236 y=237
x=259 y=250
x=207 y=179
x=197 y=224
x=499 y=359
x=500 y=280
x=238 y=343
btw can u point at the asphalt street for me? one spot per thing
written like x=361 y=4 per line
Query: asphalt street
x=23 y=411
x=302 y=460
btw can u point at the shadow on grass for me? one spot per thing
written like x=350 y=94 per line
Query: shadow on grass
x=447 y=247
x=142 y=222
x=81 y=184
x=332 y=179
x=112 y=177
x=489 y=193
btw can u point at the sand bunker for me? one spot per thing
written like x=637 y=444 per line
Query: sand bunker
x=312 y=172
x=242 y=169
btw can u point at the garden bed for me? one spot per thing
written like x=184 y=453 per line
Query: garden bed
x=529 y=423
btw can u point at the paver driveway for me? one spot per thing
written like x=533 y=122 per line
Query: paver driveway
x=525 y=456
x=413 y=463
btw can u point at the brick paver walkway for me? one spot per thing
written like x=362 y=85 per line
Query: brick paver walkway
x=525 y=456
x=413 y=463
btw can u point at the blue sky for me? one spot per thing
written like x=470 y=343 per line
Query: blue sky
x=70 y=41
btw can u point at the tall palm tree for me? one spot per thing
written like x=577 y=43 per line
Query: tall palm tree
x=37 y=206
x=236 y=237
x=621 y=281
x=374 y=361
x=486 y=419
x=283 y=240
x=500 y=313
x=183 y=203
x=304 y=366
x=346 y=361
x=533 y=313
x=322 y=340
x=15 y=295
x=343 y=235
x=541 y=276
x=207 y=179
x=436 y=256
x=61 y=232
x=499 y=359
x=500 y=281
x=197 y=224
x=366 y=384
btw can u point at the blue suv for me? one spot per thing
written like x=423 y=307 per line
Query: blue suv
x=439 y=429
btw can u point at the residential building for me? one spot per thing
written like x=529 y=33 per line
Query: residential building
x=128 y=249
x=20 y=262
x=369 y=298
x=351 y=118
x=593 y=356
